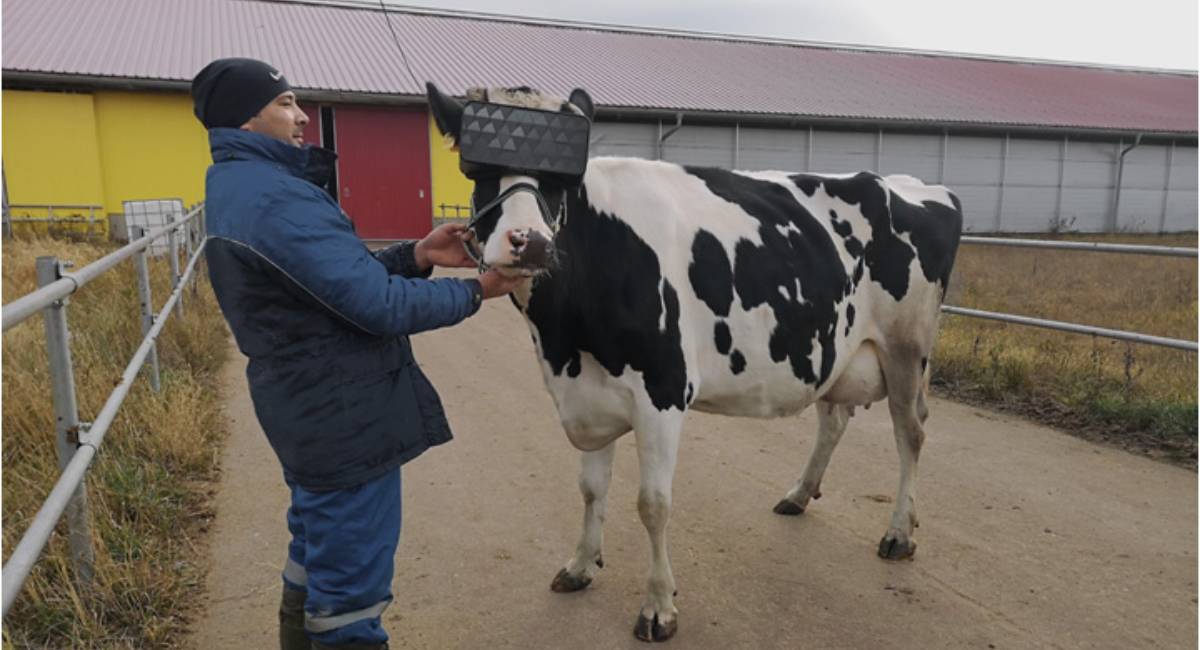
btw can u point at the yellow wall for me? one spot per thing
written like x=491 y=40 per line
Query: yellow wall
x=101 y=148
x=449 y=185
x=151 y=147
x=51 y=154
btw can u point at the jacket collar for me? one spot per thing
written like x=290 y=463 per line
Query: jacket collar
x=309 y=162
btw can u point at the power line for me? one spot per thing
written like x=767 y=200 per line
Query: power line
x=388 y=19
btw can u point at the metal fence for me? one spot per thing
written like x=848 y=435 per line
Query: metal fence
x=68 y=215
x=1076 y=328
x=78 y=441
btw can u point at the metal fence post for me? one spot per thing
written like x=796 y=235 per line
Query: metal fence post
x=201 y=235
x=66 y=418
x=143 y=271
x=173 y=244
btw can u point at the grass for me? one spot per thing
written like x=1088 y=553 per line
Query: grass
x=150 y=485
x=1137 y=396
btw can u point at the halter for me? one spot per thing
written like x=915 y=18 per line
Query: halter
x=554 y=223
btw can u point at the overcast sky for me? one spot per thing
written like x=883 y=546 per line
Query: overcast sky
x=1141 y=33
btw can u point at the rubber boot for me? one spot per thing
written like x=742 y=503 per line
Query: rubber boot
x=291 y=621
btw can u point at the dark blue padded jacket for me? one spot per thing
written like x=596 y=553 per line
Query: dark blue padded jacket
x=324 y=321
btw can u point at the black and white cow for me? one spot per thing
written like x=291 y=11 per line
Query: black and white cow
x=742 y=293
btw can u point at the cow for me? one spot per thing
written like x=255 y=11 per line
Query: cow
x=655 y=288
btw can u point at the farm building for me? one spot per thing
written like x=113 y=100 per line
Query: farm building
x=96 y=109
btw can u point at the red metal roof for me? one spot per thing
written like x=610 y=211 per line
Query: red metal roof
x=351 y=50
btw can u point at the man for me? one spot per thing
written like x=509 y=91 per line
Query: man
x=325 y=324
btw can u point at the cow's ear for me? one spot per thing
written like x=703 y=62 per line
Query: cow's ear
x=447 y=112
x=583 y=102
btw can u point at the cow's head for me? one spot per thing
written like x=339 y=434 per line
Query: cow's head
x=516 y=207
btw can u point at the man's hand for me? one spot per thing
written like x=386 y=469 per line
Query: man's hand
x=496 y=283
x=444 y=247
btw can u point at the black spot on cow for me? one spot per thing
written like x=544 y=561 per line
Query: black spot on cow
x=842 y=228
x=691 y=392
x=573 y=368
x=807 y=183
x=711 y=274
x=487 y=189
x=607 y=297
x=722 y=337
x=849 y=318
x=803 y=252
x=924 y=363
x=853 y=246
x=934 y=229
x=887 y=255
x=737 y=362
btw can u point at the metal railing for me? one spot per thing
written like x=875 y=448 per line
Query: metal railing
x=78 y=441
x=1096 y=247
x=460 y=211
x=1075 y=328
x=50 y=218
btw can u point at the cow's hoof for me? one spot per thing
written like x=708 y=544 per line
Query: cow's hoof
x=791 y=508
x=653 y=630
x=565 y=583
x=894 y=548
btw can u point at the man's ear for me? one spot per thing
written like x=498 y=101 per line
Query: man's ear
x=447 y=112
x=583 y=101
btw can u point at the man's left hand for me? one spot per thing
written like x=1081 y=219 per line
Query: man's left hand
x=444 y=247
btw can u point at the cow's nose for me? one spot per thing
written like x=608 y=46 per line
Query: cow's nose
x=518 y=239
x=536 y=253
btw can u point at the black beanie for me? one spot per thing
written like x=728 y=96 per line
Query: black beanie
x=228 y=92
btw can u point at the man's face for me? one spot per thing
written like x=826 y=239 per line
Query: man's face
x=282 y=119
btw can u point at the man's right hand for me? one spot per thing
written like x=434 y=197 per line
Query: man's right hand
x=496 y=284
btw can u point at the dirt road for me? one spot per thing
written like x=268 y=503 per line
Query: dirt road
x=1029 y=538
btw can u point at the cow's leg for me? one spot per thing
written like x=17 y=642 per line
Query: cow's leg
x=906 y=405
x=595 y=471
x=658 y=447
x=832 y=419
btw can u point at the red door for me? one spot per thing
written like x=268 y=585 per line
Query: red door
x=383 y=171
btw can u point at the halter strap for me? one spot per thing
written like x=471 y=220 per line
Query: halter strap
x=554 y=223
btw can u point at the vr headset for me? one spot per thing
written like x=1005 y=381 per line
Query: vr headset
x=496 y=139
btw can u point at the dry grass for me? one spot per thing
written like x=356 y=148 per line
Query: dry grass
x=148 y=488
x=1139 y=396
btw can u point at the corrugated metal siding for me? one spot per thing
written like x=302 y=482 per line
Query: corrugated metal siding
x=915 y=155
x=1181 y=199
x=624 y=139
x=1031 y=184
x=1021 y=194
x=351 y=50
x=773 y=149
x=843 y=151
x=1090 y=179
x=703 y=146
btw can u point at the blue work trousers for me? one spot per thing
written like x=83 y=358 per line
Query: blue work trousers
x=342 y=554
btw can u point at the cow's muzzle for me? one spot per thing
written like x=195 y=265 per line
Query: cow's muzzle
x=531 y=249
